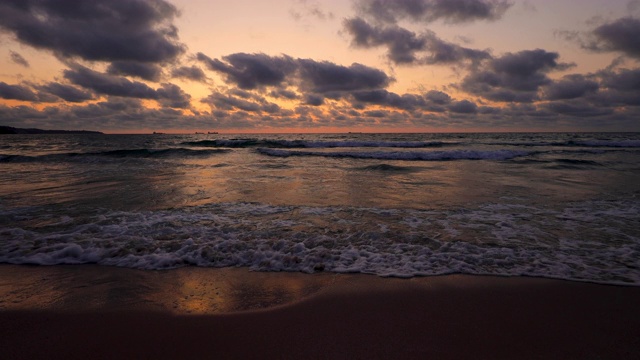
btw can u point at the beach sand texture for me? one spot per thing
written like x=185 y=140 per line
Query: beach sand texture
x=82 y=312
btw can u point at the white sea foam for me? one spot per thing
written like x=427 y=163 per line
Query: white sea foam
x=588 y=241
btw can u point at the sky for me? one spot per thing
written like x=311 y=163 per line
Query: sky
x=180 y=66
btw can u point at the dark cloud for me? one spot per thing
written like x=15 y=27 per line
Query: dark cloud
x=622 y=35
x=513 y=77
x=618 y=88
x=66 y=92
x=16 y=92
x=145 y=71
x=623 y=80
x=407 y=47
x=250 y=71
x=233 y=100
x=402 y=45
x=107 y=84
x=324 y=77
x=438 y=97
x=114 y=30
x=463 y=107
x=577 y=108
x=386 y=98
x=113 y=105
x=527 y=64
x=433 y=101
x=283 y=93
x=192 y=73
x=313 y=100
x=168 y=94
x=18 y=59
x=376 y=113
x=446 y=53
x=451 y=11
x=25 y=92
x=380 y=97
x=570 y=87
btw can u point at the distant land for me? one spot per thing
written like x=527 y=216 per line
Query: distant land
x=12 y=130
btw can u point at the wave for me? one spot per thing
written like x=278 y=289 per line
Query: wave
x=572 y=164
x=578 y=162
x=494 y=239
x=122 y=153
x=404 y=155
x=292 y=144
x=388 y=168
x=577 y=143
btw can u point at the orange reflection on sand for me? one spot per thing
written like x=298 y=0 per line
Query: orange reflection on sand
x=206 y=291
x=191 y=290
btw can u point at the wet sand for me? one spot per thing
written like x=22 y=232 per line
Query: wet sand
x=73 y=312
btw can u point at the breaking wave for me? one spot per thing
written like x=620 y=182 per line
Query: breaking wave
x=587 y=241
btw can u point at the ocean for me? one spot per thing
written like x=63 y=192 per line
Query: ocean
x=554 y=205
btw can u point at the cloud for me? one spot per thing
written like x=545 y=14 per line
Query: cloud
x=18 y=59
x=407 y=47
x=513 y=77
x=432 y=101
x=325 y=76
x=407 y=102
x=168 y=94
x=253 y=71
x=437 y=97
x=234 y=100
x=66 y=92
x=16 y=92
x=114 y=30
x=313 y=100
x=570 y=87
x=624 y=79
x=621 y=87
x=426 y=11
x=192 y=73
x=145 y=71
x=171 y=95
x=463 y=107
x=283 y=94
x=309 y=8
x=250 y=71
x=577 y=108
x=107 y=84
x=622 y=35
x=401 y=44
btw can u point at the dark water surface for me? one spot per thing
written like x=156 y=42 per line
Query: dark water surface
x=553 y=205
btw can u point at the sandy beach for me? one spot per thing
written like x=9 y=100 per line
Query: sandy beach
x=73 y=312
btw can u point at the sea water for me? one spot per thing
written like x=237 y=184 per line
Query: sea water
x=557 y=205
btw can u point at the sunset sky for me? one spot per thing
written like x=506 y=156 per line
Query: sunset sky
x=320 y=66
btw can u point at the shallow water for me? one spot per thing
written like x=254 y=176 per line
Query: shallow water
x=552 y=205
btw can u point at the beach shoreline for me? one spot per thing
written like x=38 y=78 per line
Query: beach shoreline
x=89 y=311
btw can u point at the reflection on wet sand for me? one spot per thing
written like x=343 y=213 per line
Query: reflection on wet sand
x=81 y=288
